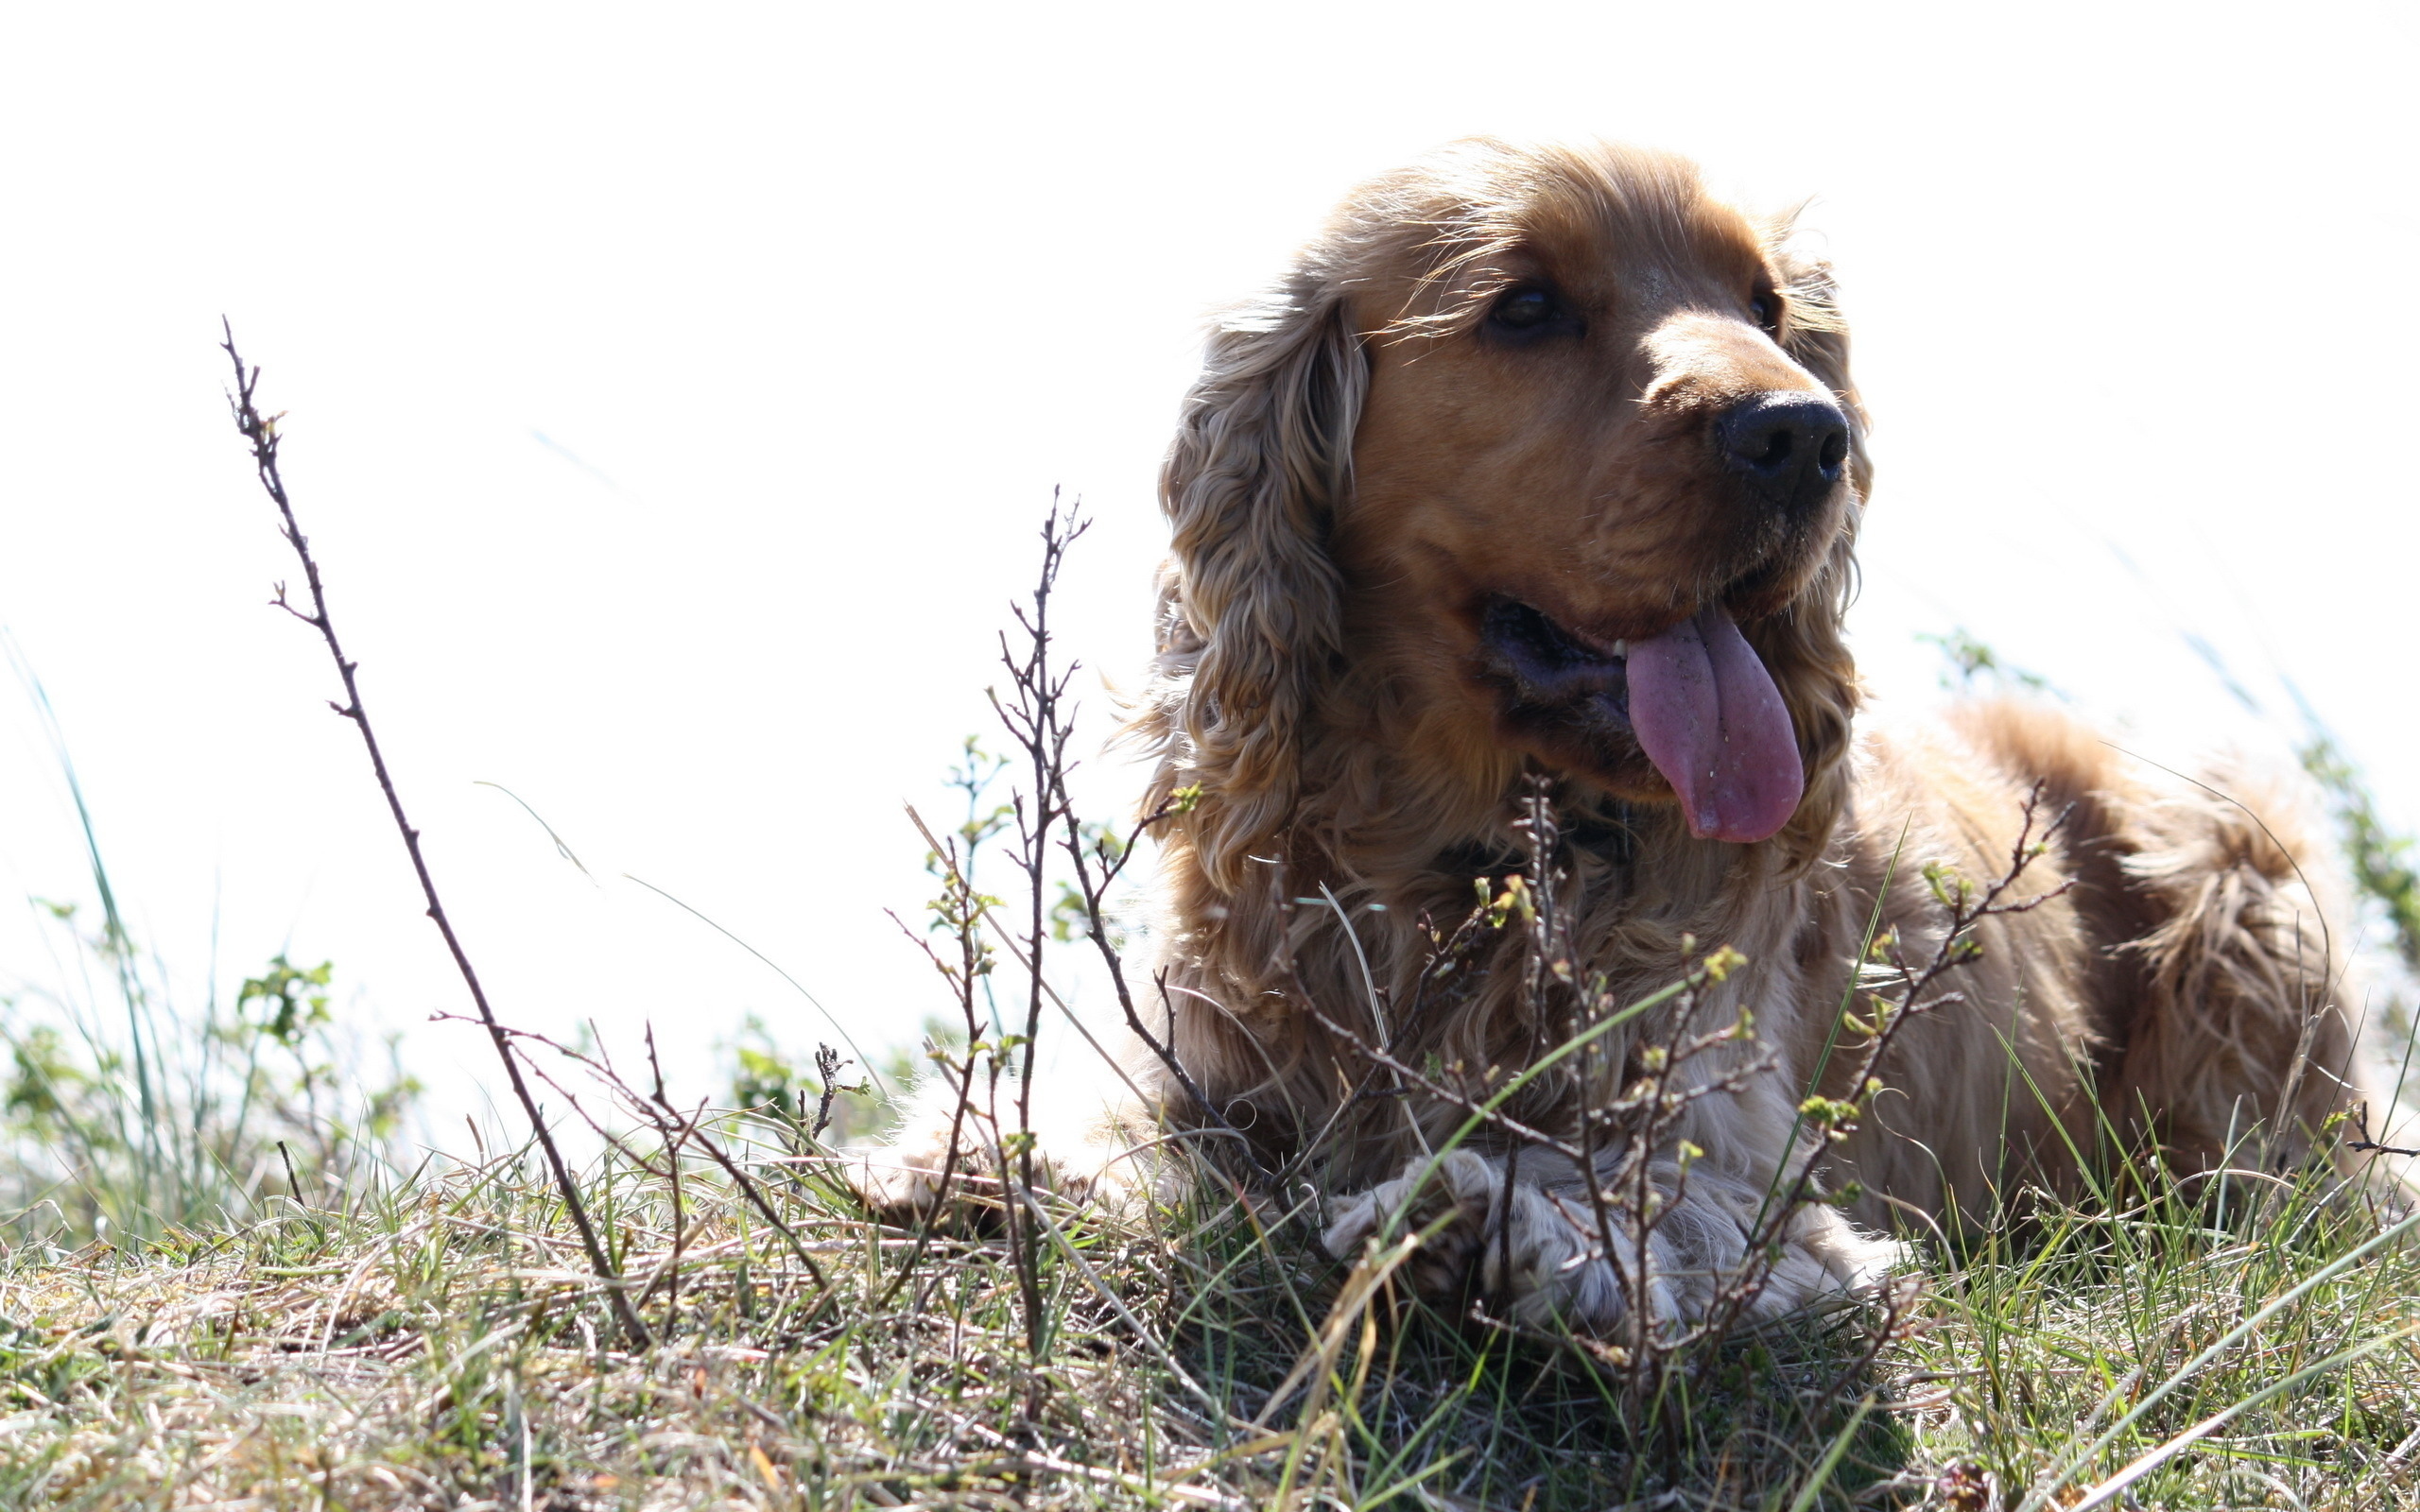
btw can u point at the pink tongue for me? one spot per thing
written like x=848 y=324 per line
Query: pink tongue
x=1708 y=715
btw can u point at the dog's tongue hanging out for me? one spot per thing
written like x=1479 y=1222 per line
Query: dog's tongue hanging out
x=1708 y=715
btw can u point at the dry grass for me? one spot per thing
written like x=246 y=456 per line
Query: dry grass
x=444 y=1344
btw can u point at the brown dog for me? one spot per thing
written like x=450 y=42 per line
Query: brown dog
x=1544 y=461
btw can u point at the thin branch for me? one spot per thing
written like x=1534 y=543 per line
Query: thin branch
x=659 y=1111
x=261 y=431
x=2366 y=1145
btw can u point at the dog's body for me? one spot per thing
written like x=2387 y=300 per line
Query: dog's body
x=1542 y=466
x=2170 y=990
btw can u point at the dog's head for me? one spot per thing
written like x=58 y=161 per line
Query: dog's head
x=1560 y=452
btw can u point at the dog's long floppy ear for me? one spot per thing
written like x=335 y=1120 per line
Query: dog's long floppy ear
x=1262 y=458
x=1804 y=647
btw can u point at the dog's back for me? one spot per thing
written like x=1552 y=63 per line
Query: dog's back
x=2182 y=987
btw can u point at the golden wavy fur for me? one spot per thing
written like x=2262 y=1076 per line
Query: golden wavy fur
x=1524 y=440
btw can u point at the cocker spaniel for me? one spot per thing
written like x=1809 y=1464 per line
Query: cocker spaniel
x=1532 y=490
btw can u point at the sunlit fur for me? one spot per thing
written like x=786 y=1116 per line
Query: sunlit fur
x=1354 y=468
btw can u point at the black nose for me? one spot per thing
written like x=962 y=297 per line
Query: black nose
x=1789 y=447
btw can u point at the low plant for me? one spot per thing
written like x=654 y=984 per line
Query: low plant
x=125 y=1118
x=127 y=1111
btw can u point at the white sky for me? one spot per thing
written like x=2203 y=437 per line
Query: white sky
x=812 y=308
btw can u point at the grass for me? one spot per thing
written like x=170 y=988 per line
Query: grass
x=439 y=1339
x=440 y=1343
x=129 y=1108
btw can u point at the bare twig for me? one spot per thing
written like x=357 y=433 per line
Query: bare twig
x=1488 y=1113
x=261 y=431
x=960 y=907
x=674 y=1136
x=2366 y=1145
x=827 y=1077
x=1036 y=718
x=1626 y=1097
x=660 y=1112
x=1830 y=1121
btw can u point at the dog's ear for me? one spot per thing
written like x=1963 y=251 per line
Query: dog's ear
x=1803 y=648
x=1263 y=457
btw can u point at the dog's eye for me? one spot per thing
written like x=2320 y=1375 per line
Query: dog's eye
x=1767 y=309
x=1525 y=309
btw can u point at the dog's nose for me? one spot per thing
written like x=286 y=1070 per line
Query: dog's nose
x=1789 y=446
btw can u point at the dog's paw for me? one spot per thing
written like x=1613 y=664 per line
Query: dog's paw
x=1450 y=1206
x=945 y=1165
x=1547 y=1258
x=910 y=1178
x=1529 y=1251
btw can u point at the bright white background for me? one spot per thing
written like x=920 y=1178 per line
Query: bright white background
x=673 y=393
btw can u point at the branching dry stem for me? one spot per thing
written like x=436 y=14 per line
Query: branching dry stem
x=261 y=432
